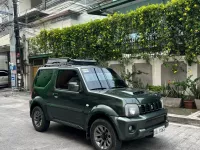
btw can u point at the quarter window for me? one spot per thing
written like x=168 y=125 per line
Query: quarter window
x=43 y=77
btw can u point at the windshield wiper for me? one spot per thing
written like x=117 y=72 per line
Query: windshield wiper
x=98 y=88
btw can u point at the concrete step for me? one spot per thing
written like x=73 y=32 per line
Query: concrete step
x=188 y=120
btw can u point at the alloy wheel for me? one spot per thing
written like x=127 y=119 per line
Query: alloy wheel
x=102 y=137
x=37 y=118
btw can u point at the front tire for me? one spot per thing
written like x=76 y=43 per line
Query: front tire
x=103 y=136
x=38 y=119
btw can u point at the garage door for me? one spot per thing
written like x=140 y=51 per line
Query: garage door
x=3 y=61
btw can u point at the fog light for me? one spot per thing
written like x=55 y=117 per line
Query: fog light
x=130 y=128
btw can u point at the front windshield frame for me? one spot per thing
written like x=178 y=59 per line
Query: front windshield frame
x=97 y=78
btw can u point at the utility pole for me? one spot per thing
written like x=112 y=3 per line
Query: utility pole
x=12 y=63
x=19 y=54
x=16 y=56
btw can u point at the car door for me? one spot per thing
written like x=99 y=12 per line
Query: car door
x=3 y=78
x=67 y=106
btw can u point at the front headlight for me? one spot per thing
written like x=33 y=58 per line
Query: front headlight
x=132 y=110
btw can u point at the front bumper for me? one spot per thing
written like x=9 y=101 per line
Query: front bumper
x=142 y=126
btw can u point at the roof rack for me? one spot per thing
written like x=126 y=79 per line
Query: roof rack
x=54 y=62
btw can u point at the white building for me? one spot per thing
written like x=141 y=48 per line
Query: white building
x=35 y=15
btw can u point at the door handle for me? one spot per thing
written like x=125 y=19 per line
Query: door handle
x=55 y=95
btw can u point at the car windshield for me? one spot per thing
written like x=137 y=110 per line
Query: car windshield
x=102 y=78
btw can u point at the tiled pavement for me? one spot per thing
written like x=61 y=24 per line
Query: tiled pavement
x=17 y=133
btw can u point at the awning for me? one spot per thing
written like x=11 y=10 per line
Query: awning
x=32 y=15
x=39 y=56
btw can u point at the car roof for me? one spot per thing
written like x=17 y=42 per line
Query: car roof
x=70 y=67
x=68 y=63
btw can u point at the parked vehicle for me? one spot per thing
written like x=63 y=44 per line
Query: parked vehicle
x=80 y=94
x=3 y=78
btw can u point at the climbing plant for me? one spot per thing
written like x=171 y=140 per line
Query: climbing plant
x=153 y=31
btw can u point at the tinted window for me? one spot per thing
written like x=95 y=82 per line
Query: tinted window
x=113 y=79
x=43 y=77
x=102 y=78
x=95 y=78
x=2 y=73
x=65 y=77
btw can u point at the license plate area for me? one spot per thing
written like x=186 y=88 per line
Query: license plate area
x=159 y=130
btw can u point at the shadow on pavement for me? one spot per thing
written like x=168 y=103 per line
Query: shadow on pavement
x=77 y=135
x=68 y=132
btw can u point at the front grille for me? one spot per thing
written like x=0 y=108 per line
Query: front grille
x=150 y=107
x=155 y=121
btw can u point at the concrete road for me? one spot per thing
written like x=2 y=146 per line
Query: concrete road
x=17 y=132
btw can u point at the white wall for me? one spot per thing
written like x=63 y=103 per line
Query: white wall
x=62 y=23
x=5 y=40
x=158 y=76
x=24 y=5
x=84 y=18
x=53 y=24
x=4 y=43
x=67 y=21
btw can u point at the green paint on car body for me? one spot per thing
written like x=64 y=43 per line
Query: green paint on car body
x=77 y=108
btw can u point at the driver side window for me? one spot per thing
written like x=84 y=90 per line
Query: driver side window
x=66 y=78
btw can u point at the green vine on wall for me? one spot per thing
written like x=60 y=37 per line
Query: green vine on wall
x=158 y=31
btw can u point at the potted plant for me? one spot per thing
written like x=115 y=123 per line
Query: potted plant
x=194 y=87
x=189 y=102
x=172 y=94
x=192 y=92
x=197 y=97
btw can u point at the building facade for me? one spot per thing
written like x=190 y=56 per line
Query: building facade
x=34 y=16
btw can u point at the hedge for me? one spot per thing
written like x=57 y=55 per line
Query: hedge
x=160 y=30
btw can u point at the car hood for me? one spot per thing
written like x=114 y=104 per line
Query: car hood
x=132 y=95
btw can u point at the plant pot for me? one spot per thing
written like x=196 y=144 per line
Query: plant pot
x=172 y=102
x=189 y=104
x=197 y=102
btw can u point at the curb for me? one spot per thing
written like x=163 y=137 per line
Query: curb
x=184 y=120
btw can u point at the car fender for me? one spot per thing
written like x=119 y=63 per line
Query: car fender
x=102 y=110
x=39 y=101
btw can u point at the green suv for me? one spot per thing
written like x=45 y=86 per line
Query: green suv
x=83 y=95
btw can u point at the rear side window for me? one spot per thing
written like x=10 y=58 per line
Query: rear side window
x=3 y=74
x=43 y=77
x=66 y=76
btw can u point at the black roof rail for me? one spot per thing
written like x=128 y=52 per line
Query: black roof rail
x=54 y=62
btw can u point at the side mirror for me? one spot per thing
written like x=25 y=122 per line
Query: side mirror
x=73 y=86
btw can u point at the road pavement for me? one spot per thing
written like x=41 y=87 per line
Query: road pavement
x=17 y=132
